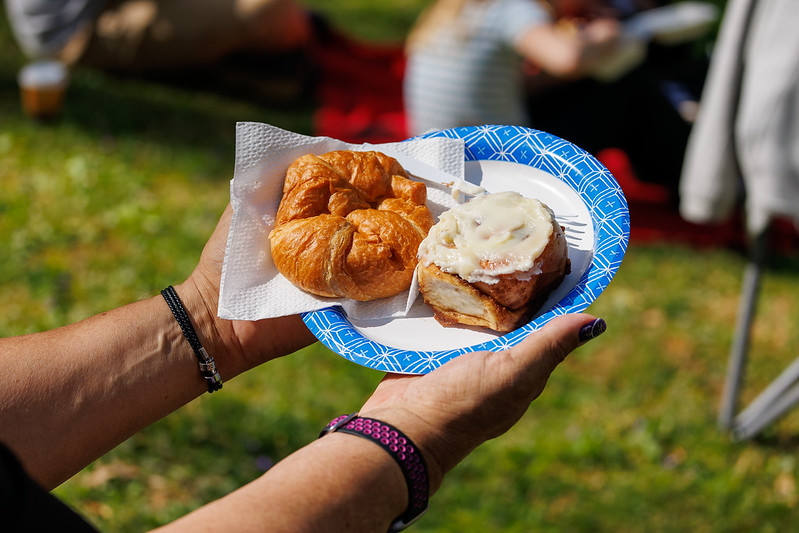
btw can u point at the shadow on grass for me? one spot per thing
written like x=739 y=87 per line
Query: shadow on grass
x=775 y=440
x=169 y=111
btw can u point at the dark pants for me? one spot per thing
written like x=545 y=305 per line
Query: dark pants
x=636 y=113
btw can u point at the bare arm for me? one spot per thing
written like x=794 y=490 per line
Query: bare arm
x=569 y=50
x=79 y=390
x=337 y=483
x=343 y=483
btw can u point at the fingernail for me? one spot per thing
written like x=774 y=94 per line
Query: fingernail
x=592 y=330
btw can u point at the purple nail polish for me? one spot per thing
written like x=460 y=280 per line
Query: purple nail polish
x=592 y=330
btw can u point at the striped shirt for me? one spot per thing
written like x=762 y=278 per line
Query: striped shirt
x=471 y=79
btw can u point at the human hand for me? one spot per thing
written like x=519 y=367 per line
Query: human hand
x=476 y=396
x=237 y=345
x=602 y=31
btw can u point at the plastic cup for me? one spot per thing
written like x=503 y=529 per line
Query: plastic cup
x=42 y=87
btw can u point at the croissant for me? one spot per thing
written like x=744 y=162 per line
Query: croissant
x=349 y=225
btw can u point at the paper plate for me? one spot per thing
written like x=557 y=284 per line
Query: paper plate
x=588 y=203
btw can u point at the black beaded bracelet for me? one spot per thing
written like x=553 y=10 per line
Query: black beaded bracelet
x=207 y=365
x=402 y=450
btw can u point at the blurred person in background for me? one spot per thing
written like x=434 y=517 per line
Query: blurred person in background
x=163 y=36
x=643 y=101
x=73 y=393
x=465 y=59
x=567 y=67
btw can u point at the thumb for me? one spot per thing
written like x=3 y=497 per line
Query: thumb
x=546 y=348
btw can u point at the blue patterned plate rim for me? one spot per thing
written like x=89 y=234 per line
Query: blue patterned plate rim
x=592 y=182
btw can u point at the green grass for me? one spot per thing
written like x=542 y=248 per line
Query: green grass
x=115 y=200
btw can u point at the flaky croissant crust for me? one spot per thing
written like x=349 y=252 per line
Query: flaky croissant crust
x=349 y=225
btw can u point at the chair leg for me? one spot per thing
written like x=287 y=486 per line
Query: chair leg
x=783 y=393
x=772 y=403
x=746 y=311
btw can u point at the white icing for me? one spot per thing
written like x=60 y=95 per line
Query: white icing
x=489 y=236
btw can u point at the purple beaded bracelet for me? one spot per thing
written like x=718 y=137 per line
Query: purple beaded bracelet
x=404 y=452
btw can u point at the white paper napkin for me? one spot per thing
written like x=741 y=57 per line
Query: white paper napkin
x=251 y=287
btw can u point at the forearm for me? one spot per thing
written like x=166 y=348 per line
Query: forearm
x=569 y=51
x=344 y=482
x=82 y=389
x=335 y=484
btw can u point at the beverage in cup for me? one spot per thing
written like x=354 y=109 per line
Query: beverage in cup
x=42 y=86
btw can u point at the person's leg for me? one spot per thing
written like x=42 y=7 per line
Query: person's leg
x=142 y=35
x=585 y=112
x=630 y=113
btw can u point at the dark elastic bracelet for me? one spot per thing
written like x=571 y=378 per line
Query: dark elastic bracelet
x=207 y=365
x=404 y=452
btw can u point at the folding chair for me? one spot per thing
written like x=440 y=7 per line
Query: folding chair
x=779 y=396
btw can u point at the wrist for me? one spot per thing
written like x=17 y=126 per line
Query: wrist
x=239 y=345
x=424 y=435
x=402 y=450
x=215 y=334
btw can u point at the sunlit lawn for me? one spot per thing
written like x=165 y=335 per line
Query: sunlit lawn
x=115 y=200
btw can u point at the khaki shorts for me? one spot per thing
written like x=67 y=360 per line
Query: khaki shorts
x=137 y=35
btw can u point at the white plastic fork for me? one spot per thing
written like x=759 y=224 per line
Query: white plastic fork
x=461 y=189
x=571 y=226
